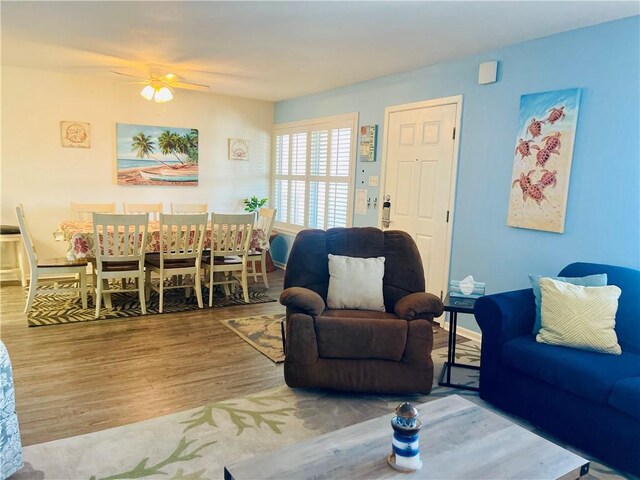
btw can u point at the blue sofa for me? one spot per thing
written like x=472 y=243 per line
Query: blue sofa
x=590 y=400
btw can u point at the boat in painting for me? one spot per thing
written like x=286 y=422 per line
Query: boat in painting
x=169 y=175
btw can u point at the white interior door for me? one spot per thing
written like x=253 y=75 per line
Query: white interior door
x=420 y=151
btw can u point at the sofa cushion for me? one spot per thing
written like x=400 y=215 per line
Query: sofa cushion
x=358 y=314
x=590 y=375
x=579 y=317
x=361 y=338
x=628 y=316
x=598 y=280
x=355 y=283
x=626 y=396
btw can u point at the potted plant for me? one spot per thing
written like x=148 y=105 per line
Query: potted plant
x=254 y=204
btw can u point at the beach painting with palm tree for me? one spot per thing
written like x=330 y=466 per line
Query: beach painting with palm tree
x=148 y=155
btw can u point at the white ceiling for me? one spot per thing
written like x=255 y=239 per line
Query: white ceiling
x=277 y=50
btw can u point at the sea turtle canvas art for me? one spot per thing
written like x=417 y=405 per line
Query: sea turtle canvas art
x=543 y=153
x=149 y=155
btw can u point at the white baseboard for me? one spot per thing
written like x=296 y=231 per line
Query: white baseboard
x=463 y=332
x=280 y=265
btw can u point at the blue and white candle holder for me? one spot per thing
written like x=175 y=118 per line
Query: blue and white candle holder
x=405 y=456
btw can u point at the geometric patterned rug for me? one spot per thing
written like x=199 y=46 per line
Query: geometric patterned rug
x=65 y=308
x=262 y=332
x=197 y=444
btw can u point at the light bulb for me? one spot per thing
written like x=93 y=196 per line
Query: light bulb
x=163 y=95
x=147 y=92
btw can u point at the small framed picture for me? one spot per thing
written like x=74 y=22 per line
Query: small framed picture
x=367 y=151
x=75 y=134
x=238 y=149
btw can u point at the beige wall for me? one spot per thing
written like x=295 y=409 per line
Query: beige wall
x=45 y=178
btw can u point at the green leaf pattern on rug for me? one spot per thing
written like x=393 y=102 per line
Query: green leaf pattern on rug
x=180 y=475
x=241 y=418
x=468 y=351
x=178 y=455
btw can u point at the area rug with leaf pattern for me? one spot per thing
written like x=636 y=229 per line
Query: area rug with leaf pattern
x=198 y=443
x=60 y=308
x=262 y=332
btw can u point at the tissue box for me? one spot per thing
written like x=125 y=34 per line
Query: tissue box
x=454 y=289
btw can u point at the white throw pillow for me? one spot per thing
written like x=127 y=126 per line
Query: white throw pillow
x=579 y=317
x=355 y=283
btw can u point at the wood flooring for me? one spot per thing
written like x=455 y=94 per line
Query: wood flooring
x=83 y=377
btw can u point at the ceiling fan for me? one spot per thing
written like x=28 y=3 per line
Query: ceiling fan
x=160 y=87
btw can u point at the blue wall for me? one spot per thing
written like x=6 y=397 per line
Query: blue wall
x=603 y=212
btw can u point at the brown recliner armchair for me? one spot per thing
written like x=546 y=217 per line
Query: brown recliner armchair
x=358 y=350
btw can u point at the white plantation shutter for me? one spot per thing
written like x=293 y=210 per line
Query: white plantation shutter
x=296 y=212
x=312 y=182
x=340 y=152
x=338 y=201
x=281 y=199
x=319 y=152
x=299 y=154
x=317 y=204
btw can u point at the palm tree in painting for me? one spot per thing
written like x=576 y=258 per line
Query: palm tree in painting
x=144 y=146
x=169 y=143
x=190 y=141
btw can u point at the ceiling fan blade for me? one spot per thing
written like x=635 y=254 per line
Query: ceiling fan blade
x=131 y=76
x=190 y=86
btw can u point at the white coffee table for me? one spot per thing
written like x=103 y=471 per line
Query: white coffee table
x=459 y=439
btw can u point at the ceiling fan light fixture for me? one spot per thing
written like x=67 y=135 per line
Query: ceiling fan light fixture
x=163 y=95
x=148 y=92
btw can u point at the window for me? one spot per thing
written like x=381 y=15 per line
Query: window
x=313 y=171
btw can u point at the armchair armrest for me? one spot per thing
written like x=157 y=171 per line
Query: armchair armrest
x=303 y=300
x=501 y=317
x=507 y=315
x=418 y=305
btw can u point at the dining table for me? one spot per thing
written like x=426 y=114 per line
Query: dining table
x=82 y=242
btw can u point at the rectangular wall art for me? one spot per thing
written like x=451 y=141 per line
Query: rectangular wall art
x=368 y=135
x=150 y=155
x=542 y=162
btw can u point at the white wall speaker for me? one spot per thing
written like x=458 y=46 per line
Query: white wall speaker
x=488 y=73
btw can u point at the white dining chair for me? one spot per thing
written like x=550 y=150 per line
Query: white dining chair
x=266 y=218
x=120 y=242
x=152 y=209
x=230 y=239
x=82 y=212
x=181 y=240
x=189 y=208
x=51 y=267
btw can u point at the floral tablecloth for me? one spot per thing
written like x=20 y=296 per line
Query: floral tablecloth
x=82 y=243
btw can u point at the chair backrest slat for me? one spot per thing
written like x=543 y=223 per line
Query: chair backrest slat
x=27 y=239
x=232 y=233
x=182 y=236
x=189 y=208
x=120 y=238
x=266 y=218
x=83 y=211
x=153 y=210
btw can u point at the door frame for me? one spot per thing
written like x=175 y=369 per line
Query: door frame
x=436 y=102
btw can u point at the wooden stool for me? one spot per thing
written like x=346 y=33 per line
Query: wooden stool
x=11 y=234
